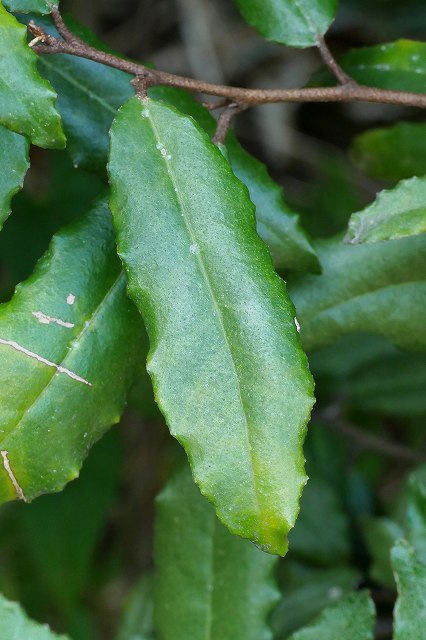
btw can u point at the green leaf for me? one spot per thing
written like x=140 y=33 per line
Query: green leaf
x=351 y=618
x=296 y=23
x=210 y=585
x=380 y=535
x=225 y=359
x=399 y=65
x=277 y=224
x=70 y=343
x=392 y=153
x=379 y=288
x=415 y=517
x=14 y=164
x=27 y=101
x=15 y=624
x=89 y=95
x=306 y=591
x=394 y=214
x=29 y=6
x=137 y=622
x=320 y=512
x=410 y=608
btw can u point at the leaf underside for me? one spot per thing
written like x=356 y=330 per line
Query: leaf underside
x=225 y=360
x=13 y=167
x=15 y=624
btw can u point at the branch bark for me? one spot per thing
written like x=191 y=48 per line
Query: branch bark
x=347 y=91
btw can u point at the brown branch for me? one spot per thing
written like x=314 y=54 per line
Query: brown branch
x=331 y=63
x=348 y=92
x=224 y=121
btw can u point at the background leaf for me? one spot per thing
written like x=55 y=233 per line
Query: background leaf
x=392 y=153
x=351 y=618
x=29 y=6
x=72 y=313
x=137 y=622
x=209 y=584
x=14 y=163
x=293 y=22
x=394 y=214
x=27 y=102
x=227 y=368
x=410 y=608
x=16 y=625
x=378 y=288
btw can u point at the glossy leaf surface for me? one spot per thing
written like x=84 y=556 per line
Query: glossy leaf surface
x=377 y=288
x=210 y=585
x=27 y=102
x=89 y=95
x=410 y=608
x=293 y=22
x=392 y=153
x=351 y=618
x=29 y=6
x=13 y=167
x=225 y=360
x=14 y=624
x=394 y=214
x=70 y=343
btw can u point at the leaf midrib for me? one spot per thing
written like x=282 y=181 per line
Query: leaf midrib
x=87 y=324
x=217 y=309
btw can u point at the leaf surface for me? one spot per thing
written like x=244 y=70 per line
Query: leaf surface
x=210 y=585
x=14 y=163
x=378 y=288
x=137 y=621
x=394 y=214
x=29 y=6
x=15 y=625
x=351 y=618
x=225 y=360
x=70 y=342
x=293 y=22
x=27 y=101
x=410 y=608
x=392 y=153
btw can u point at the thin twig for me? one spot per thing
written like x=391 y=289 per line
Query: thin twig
x=224 y=121
x=331 y=419
x=331 y=63
x=348 y=92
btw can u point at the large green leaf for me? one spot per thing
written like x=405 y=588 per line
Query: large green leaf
x=29 y=6
x=293 y=22
x=378 y=288
x=225 y=359
x=27 y=101
x=392 y=153
x=13 y=167
x=399 y=65
x=210 y=585
x=410 y=608
x=394 y=214
x=351 y=618
x=14 y=624
x=89 y=95
x=70 y=344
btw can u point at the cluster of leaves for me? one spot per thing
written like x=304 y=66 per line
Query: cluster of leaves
x=196 y=226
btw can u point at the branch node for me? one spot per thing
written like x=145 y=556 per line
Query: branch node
x=331 y=63
x=142 y=83
x=225 y=120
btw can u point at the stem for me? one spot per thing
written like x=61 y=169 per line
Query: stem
x=331 y=63
x=346 y=92
x=224 y=121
